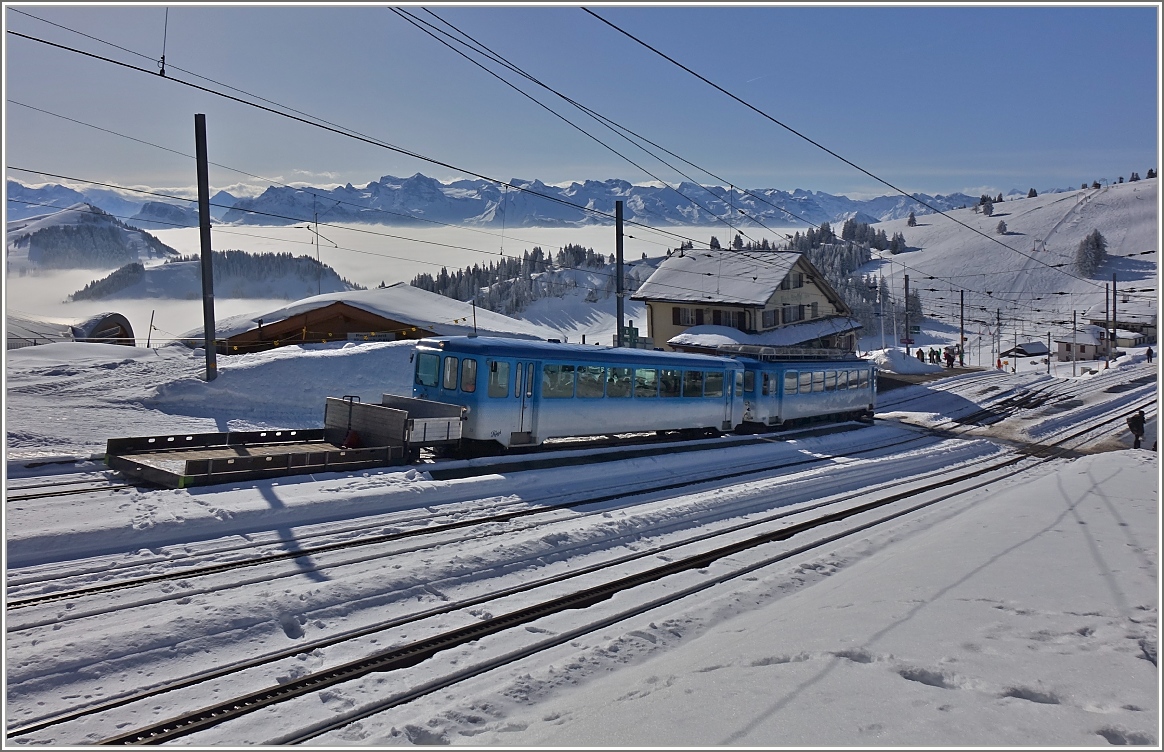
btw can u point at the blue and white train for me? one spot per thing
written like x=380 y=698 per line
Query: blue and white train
x=520 y=393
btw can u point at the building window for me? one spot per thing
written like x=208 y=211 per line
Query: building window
x=815 y=310
x=686 y=316
x=792 y=313
x=770 y=318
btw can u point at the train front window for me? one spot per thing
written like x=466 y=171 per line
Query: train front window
x=618 y=382
x=646 y=382
x=498 y=378
x=790 y=381
x=590 y=380
x=428 y=368
x=854 y=379
x=469 y=375
x=450 y=374
x=557 y=381
x=713 y=384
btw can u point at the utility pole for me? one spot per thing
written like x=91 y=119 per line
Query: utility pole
x=1048 y=353
x=907 y=338
x=618 y=339
x=1074 y=340
x=998 y=336
x=961 y=328
x=1114 y=320
x=208 y=341
x=1107 y=328
x=318 y=266
x=881 y=305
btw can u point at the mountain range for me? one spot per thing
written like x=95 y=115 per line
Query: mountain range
x=419 y=200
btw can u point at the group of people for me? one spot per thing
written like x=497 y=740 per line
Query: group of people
x=949 y=354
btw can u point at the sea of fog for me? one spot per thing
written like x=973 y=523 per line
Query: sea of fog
x=365 y=254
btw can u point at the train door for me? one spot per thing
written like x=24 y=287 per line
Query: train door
x=527 y=371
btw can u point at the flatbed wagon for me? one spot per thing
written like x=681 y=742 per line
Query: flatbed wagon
x=355 y=436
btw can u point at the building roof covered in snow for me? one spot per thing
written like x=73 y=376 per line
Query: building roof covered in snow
x=398 y=306
x=741 y=277
x=711 y=337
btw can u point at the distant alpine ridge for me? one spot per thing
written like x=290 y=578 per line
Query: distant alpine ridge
x=419 y=200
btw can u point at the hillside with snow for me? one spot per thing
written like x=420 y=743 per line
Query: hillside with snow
x=1028 y=273
x=81 y=236
x=237 y=274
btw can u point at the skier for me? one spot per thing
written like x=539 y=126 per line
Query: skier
x=1136 y=426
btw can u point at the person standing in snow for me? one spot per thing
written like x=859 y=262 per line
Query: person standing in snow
x=921 y=355
x=1136 y=426
x=1149 y=354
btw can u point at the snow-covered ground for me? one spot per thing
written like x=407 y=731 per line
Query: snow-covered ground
x=1023 y=612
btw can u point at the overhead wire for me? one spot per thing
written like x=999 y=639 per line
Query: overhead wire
x=821 y=146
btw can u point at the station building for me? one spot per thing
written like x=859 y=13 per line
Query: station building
x=698 y=301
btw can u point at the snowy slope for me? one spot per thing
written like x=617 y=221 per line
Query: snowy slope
x=118 y=240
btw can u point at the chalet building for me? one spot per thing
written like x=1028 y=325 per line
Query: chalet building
x=698 y=301
x=1132 y=315
x=1092 y=343
x=398 y=311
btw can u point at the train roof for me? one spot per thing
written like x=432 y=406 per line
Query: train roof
x=505 y=347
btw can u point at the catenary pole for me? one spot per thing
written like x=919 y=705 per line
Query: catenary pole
x=1074 y=339
x=207 y=254
x=1107 y=328
x=961 y=328
x=907 y=337
x=618 y=340
x=1114 y=319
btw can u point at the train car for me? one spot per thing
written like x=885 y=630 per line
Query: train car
x=520 y=393
x=784 y=391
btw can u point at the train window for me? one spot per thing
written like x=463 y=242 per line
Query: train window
x=805 y=382
x=557 y=381
x=590 y=380
x=749 y=381
x=864 y=379
x=766 y=387
x=818 y=381
x=529 y=379
x=790 y=381
x=842 y=380
x=713 y=384
x=646 y=382
x=830 y=382
x=450 y=377
x=739 y=381
x=469 y=375
x=854 y=379
x=618 y=382
x=692 y=384
x=499 y=379
x=428 y=369
x=669 y=383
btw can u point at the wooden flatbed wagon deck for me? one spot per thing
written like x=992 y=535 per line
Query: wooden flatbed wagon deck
x=355 y=436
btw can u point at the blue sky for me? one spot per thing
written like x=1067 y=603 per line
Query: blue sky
x=933 y=99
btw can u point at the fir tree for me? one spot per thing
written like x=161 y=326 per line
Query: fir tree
x=1151 y=173
x=1001 y=229
x=988 y=208
x=1032 y=193
x=912 y=221
x=713 y=244
x=1091 y=254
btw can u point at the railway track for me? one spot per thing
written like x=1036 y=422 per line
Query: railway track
x=864 y=516
x=493 y=520
x=417 y=651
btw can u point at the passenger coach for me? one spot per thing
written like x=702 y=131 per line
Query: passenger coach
x=524 y=392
